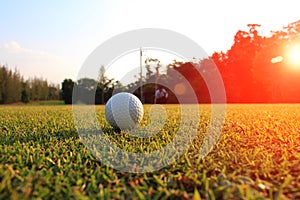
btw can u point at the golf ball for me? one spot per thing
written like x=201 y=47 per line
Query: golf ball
x=124 y=111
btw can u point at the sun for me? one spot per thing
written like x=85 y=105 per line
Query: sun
x=294 y=56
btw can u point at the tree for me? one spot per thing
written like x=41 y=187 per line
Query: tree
x=103 y=87
x=239 y=62
x=53 y=92
x=25 y=95
x=9 y=88
x=67 y=90
x=2 y=84
x=272 y=69
x=192 y=74
x=10 y=85
x=17 y=85
x=221 y=60
x=39 y=89
x=149 y=87
x=85 y=90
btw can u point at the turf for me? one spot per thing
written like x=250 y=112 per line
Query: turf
x=257 y=157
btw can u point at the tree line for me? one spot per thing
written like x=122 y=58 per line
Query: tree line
x=256 y=69
x=259 y=69
x=14 y=88
x=102 y=89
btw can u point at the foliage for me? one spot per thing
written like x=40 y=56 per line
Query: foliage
x=247 y=70
x=10 y=85
x=248 y=74
x=13 y=88
x=67 y=90
x=90 y=91
x=42 y=157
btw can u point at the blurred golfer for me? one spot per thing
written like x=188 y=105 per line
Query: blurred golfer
x=161 y=95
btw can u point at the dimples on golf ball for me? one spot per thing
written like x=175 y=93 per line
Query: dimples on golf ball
x=124 y=110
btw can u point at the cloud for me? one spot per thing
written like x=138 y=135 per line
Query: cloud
x=13 y=47
x=37 y=63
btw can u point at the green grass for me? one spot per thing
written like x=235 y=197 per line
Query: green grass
x=46 y=103
x=256 y=157
x=38 y=103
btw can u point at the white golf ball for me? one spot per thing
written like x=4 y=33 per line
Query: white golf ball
x=124 y=111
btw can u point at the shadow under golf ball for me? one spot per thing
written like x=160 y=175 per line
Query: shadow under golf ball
x=158 y=116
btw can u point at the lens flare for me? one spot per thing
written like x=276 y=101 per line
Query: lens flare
x=294 y=56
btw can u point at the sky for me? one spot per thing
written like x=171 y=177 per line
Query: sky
x=52 y=39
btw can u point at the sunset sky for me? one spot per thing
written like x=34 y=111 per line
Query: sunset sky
x=51 y=39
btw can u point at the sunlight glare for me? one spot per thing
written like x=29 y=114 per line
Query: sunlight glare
x=294 y=56
x=276 y=59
